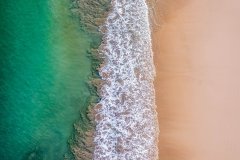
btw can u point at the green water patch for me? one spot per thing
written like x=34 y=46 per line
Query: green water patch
x=91 y=15
x=44 y=78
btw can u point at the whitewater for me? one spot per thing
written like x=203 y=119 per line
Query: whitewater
x=126 y=118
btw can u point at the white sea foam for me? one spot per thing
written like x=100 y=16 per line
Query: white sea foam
x=126 y=117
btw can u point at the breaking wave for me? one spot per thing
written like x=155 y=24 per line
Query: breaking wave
x=126 y=119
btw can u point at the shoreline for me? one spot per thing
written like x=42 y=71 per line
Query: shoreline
x=175 y=82
x=126 y=77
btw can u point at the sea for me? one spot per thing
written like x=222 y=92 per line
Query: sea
x=76 y=80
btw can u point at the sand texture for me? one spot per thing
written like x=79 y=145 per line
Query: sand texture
x=197 y=86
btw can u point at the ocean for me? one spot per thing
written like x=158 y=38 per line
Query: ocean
x=45 y=67
x=76 y=80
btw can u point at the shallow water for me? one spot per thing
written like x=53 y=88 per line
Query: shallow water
x=44 y=70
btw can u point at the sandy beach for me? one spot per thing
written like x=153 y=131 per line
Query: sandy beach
x=197 y=84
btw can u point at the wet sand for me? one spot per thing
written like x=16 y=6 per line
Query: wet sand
x=196 y=54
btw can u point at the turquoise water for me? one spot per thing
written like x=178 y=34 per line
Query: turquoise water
x=44 y=73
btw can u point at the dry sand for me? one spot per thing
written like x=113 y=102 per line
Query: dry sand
x=197 y=59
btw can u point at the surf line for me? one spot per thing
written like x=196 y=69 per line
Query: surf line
x=126 y=118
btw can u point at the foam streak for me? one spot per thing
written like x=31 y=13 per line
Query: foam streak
x=126 y=117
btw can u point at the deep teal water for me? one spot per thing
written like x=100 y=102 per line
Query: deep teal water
x=44 y=70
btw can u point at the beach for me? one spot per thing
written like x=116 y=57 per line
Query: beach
x=79 y=80
x=197 y=75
